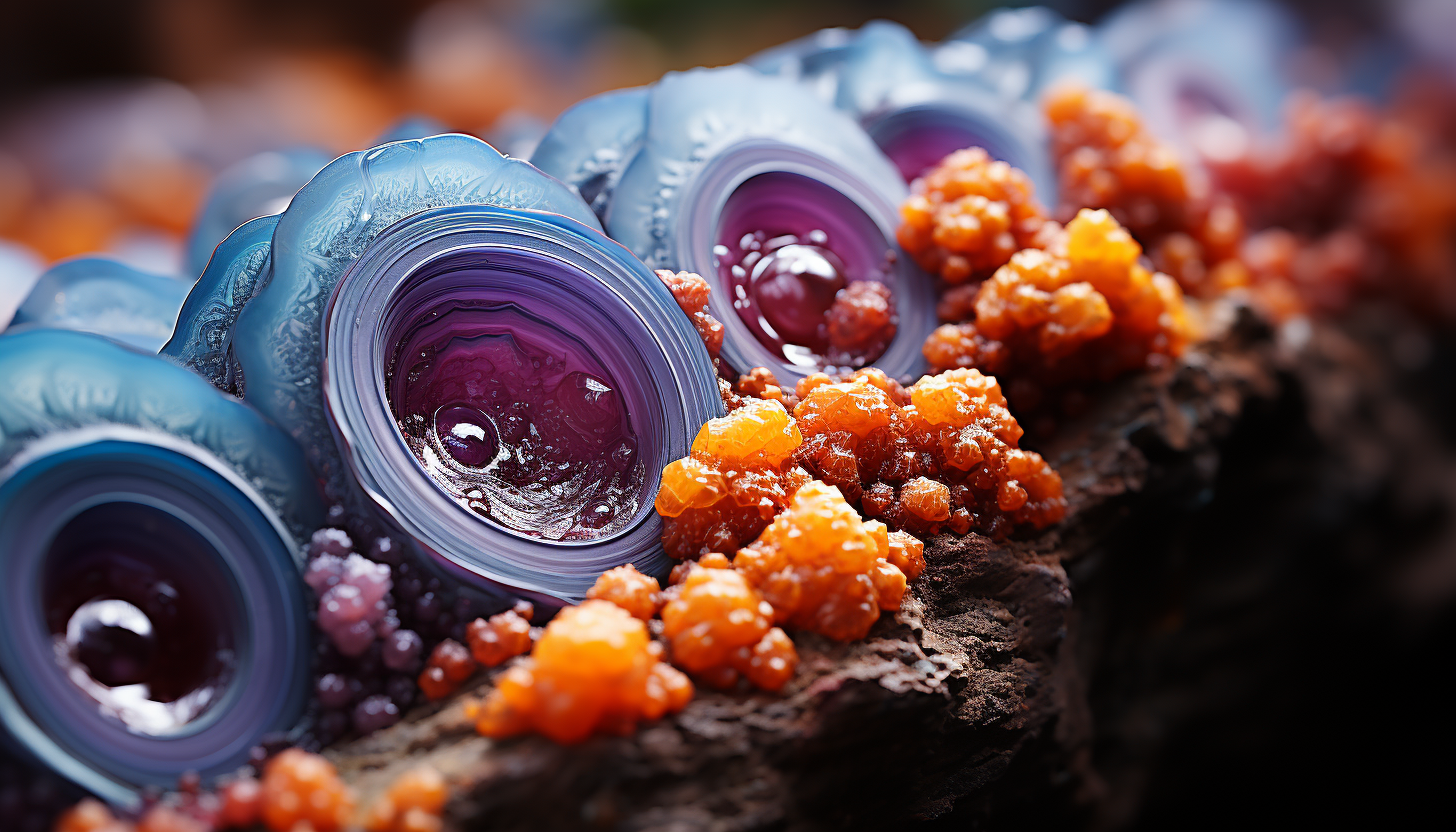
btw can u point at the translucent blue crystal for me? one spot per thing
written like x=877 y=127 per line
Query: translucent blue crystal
x=920 y=103
x=259 y=186
x=448 y=233
x=149 y=565
x=19 y=269
x=591 y=143
x=700 y=156
x=1020 y=53
x=1183 y=61
x=106 y=297
x=201 y=340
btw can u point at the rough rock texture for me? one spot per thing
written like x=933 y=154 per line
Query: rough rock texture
x=1008 y=694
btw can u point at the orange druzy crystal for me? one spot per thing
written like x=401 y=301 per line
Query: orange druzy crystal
x=629 y=589
x=948 y=458
x=303 y=788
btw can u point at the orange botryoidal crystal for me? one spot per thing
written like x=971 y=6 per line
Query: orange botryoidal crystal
x=967 y=216
x=629 y=589
x=300 y=788
x=740 y=474
x=946 y=459
x=822 y=568
x=721 y=630
x=1083 y=309
x=594 y=669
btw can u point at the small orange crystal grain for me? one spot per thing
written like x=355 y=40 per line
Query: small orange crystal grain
x=412 y=803
x=450 y=664
x=503 y=636
x=907 y=553
x=761 y=383
x=740 y=473
x=303 y=788
x=722 y=630
x=629 y=589
x=594 y=669
x=822 y=568
x=968 y=215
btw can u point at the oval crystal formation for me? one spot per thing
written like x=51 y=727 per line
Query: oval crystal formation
x=788 y=247
x=149 y=583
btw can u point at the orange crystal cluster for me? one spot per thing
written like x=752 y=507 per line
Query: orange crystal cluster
x=821 y=567
x=304 y=788
x=739 y=475
x=594 y=669
x=1108 y=159
x=1084 y=309
x=941 y=456
x=721 y=630
x=1351 y=199
x=412 y=803
x=967 y=215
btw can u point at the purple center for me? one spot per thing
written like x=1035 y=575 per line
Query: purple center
x=917 y=139
x=515 y=419
x=787 y=247
x=131 y=606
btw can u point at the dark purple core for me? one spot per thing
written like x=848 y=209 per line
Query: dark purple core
x=787 y=247
x=133 y=613
x=516 y=420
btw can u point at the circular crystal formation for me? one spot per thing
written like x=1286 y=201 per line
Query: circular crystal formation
x=139 y=615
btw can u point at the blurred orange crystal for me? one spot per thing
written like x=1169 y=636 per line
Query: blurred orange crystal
x=595 y=669
x=968 y=215
x=300 y=788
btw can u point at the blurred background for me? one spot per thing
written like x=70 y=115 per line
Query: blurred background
x=115 y=115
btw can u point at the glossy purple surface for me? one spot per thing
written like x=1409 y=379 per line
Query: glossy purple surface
x=508 y=408
x=132 y=608
x=786 y=245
